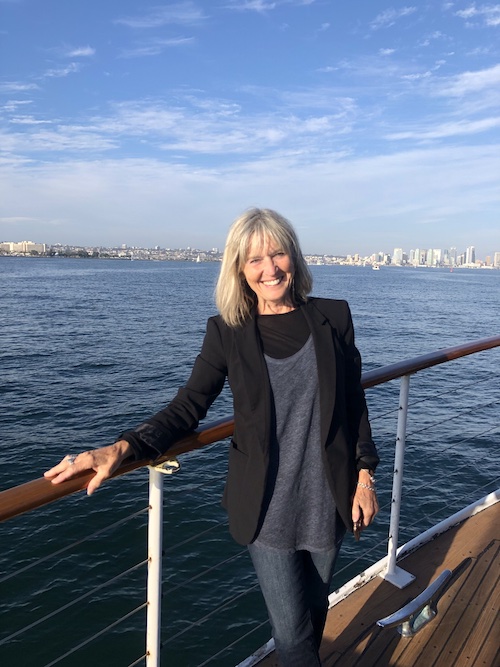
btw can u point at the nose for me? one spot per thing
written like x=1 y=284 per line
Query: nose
x=270 y=265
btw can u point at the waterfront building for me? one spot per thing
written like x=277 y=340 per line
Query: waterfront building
x=23 y=248
x=397 y=256
x=470 y=255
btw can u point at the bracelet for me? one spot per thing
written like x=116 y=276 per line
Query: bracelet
x=366 y=486
x=370 y=474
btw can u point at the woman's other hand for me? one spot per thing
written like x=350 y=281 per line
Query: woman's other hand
x=365 y=504
x=104 y=461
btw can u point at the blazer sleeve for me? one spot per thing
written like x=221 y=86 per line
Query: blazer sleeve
x=183 y=414
x=357 y=411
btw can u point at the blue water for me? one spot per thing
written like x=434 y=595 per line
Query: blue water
x=91 y=347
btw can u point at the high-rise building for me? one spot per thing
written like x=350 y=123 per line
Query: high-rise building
x=470 y=255
x=397 y=256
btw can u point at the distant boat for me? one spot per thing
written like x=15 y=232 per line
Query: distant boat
x=375 y=267
x=198 y=259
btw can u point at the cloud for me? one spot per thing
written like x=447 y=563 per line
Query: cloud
x=58 y=139
x=81 y=52
x=489 y=14
x=298 y=121
x=437 y=34
x=12 y=105
x=472 y=82
x=17 y=87
x=155 y=47
x=386 y=52
x=388 y=17
x=59 y=72
x=28 y=120
x=262 y=6
x=102 y=201
x=259 y=6
x=451 y=129
x=416 y=76
x=182 y=13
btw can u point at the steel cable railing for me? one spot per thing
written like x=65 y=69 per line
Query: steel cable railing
x=71 y=547
x=234 y=643
x=72 y=603
x=203 y=534
x=98 y=634
x=224 y=605
x=206 y=571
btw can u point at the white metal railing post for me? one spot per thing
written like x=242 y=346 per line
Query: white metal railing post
x=155 y=546
x=395 y=575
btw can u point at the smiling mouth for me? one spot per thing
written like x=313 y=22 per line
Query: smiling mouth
x=272 y=283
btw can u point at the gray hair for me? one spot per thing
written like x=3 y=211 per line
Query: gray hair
x=233 y=297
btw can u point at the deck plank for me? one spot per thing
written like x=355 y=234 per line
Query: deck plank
x=441 y=643
x=352 y=638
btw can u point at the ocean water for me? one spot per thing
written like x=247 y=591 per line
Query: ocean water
x=91 y=347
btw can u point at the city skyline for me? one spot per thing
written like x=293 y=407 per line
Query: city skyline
x=365 y=124
x=450 y=256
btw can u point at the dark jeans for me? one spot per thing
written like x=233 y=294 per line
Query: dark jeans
x=295 y=587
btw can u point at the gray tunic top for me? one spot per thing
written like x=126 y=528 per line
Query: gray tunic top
x=301 y=512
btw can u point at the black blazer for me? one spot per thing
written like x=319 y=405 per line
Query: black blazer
x=236 y=353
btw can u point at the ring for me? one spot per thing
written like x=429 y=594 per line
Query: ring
x=70 y=458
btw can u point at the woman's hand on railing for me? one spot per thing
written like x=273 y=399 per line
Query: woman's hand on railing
x=365 y=503
x=104 y=461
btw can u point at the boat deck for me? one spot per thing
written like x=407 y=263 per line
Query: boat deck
x=466 y=630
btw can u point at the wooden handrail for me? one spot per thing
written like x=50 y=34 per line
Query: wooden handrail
x=39 y=492
x=410 y=366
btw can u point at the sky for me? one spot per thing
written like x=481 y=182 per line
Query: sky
x=369 y=124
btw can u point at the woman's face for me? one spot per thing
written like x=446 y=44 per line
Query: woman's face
x=268 y=271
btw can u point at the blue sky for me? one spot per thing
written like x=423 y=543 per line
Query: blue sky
x=370 y=124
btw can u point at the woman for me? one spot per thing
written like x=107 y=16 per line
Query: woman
x=302 y=459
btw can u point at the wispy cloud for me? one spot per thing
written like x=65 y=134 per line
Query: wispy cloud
x=387 y=52
x=389 y=17
x=17 y=87
x=28 y=120
x=259 y=6
x=81 y=52
x=428 y=39
x=262 y=6
x=59 y=72
x=446 y=130
x=183 y=13
x=70 y=139
x=488 y=14
x=472 y=82
x=13 y=105
x=155 y=47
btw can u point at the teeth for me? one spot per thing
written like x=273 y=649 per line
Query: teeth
x=271 y=283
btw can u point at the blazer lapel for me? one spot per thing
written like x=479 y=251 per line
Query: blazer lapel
x=255 y=378
x=322 y=333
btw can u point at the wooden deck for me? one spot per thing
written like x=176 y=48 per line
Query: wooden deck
x=466 y=631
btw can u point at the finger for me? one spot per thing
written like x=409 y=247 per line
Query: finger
x=70 y=466
x=49 y=474
x=96 y=481
x=55 y=470
x=356 y=513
